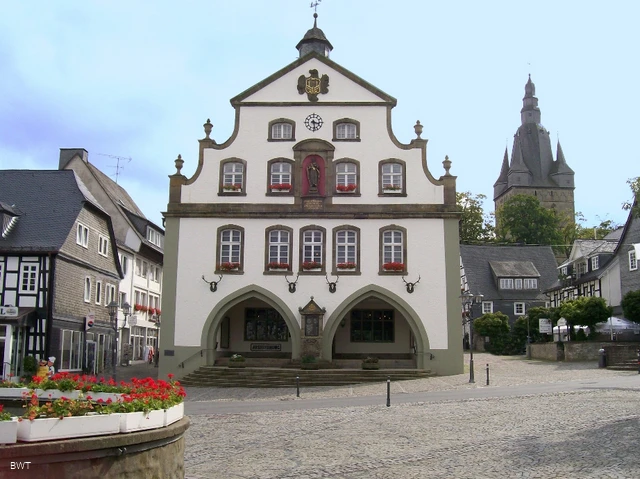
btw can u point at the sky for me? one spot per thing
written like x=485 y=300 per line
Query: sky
x=133 y=82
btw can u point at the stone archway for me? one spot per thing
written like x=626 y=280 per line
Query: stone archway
x=248 y=292
x=373 y=291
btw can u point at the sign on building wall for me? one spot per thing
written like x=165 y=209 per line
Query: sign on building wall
x=9 y=311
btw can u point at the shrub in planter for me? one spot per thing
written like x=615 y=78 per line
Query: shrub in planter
x=370 y=362
x=309 y=362
x=236 y=361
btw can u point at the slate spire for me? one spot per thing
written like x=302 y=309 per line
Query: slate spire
x=530 y=112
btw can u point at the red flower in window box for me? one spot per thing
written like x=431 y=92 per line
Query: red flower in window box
x=347 y=188
x=228 y=266
x=276 y=265
x=347 y=265
x=280 y=186
x=138 y=307
x=393 y=266
x=311 y=265
x=232 y=187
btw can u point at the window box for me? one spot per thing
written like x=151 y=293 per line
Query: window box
x=391 y=188
x=280 y=187
x=307 y=265
x=278 y=266
x=393 y=266
x=350 y=188
x=228 y=266
x=232 y=187
x=346 y=266
x=9 y=431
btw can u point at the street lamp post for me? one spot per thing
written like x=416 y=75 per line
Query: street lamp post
x=468 y=300
x=113 y=321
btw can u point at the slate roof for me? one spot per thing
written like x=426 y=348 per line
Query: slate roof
x=477 y=261
x=49 y=202
x=115 y=191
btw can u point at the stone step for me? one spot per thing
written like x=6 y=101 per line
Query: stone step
x=216 y=376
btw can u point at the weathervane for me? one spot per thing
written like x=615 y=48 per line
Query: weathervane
x=314 y=5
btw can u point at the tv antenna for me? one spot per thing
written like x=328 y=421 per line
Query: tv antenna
x=118 y=167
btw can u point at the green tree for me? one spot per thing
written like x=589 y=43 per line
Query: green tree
x=522 y=219
x=631 y=306
x=495 y=326
x=474 y=226
x=586 y=311
x=634 y=184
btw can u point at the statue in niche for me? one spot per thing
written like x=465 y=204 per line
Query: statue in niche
x=313 y=175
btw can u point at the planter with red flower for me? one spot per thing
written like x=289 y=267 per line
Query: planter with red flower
x=280 y=187
x=8 y=427
x=311 y=265
x=228 y=266
x=350 y=188
x=275 y=266
x=393 y=266
x=346 y=266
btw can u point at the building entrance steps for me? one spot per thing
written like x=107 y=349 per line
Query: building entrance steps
x=217 y=376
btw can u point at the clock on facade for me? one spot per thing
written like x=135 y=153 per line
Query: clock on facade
x=313 y=122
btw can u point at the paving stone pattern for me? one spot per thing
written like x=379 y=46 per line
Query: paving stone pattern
x=590 y=433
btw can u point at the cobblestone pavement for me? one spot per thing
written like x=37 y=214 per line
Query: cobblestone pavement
x=590 y=433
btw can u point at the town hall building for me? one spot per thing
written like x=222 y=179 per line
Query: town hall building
x=312 y=232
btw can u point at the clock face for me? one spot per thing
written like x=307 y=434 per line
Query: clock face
x=313 y=122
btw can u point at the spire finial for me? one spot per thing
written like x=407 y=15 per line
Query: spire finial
x=314 y=5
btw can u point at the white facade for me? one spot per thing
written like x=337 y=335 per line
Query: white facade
x=371 y=309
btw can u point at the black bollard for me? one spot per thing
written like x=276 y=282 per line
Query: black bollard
x=487 y=374
x=638 y=361
x=388 y=391
x=297 y=386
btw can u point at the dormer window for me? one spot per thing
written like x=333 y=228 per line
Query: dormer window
x=595 y=263
x=154 y=237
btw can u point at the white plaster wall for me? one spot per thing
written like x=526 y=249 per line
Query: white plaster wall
x=285 y=88
x=252 y=146
x=610 y=284
x=197 y=256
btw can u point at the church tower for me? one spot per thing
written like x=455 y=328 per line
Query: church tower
x=532 y=170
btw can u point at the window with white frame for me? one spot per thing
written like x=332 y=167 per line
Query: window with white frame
x=87 y=289
x=563 y=271
x=110 y=293
x=517 y=283
x=82 y=235
x=122 y=298
x=103 y=245
x=281 y=131
x=279 y=249
x=233 y=176
x=595 y=263
x=99 y=292
x=154 y=304
x=346 y=249
x=531 y=283
x=487 y=307
x=506 y=283
x=346 y=177
x=392 y=177
x=346 y=131
x=124 y=263
x=71 y=350
x=312 y=248
x=154 y=237
x=582 y=268
x=518 y=309
x=28 y=278
x=633 y=261
x=145 y=269
x=154 y=273
x=142 y=268
x=280 y=176
x=393 y=250
x=139 y=301
x=230 y=249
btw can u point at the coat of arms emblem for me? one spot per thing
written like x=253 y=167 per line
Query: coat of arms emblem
x=313 y=85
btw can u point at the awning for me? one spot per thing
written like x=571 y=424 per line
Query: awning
x=26 y=317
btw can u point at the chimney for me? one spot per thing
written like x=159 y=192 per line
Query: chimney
x=67 y=154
